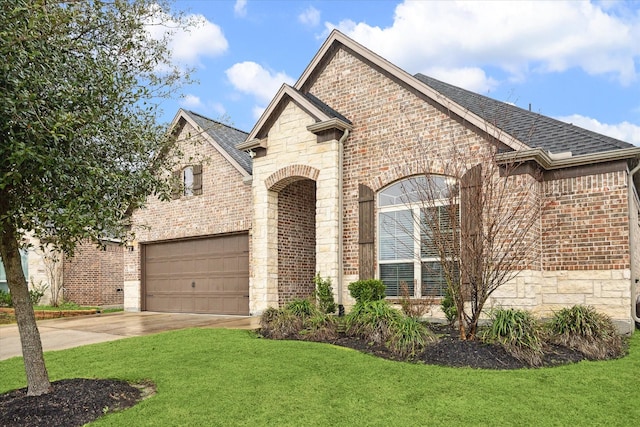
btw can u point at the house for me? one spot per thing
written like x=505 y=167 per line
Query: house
x=92 y=277
x=303 y=193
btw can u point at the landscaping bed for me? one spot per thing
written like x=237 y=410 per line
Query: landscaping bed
x=73 y=402
x=49 y=314
x=453 y=352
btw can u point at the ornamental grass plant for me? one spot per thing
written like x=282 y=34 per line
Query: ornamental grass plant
x=518 y=332
x=584 y=329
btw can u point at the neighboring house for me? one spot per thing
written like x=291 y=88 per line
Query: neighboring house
x=24 y=258
x=93 y=276
x=327 y=153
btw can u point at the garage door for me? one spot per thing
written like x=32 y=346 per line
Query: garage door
x=208 y=275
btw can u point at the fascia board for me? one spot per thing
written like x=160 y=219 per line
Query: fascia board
x=406 y=78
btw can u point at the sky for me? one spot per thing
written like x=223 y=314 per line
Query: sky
x=576 y=61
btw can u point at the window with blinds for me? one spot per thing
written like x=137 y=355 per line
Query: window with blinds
x=406 y=251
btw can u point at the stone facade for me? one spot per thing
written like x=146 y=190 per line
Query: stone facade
x=223 y=207
x=293 y=155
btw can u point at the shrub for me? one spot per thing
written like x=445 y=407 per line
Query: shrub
x=299 y=319
x=371 y=320
x=280 y=324
x=448 y=306
x=379 y=323
x=324 y=295
x=37 y=291
x=301 y=307
x=518 y=332
x=367 y=290
x=584 y=329
x=5 y=299
x=319 y=327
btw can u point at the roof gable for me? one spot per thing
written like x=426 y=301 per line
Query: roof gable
x=515 y=127
x=222 y=137
x=319 y=111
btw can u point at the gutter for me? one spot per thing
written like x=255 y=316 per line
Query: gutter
x=551 y=161
x=635 y=273
x=344 y=137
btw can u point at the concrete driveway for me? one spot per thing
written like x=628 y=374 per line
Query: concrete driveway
x=58 y=334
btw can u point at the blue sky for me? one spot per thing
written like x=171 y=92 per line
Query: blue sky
x=577 y=61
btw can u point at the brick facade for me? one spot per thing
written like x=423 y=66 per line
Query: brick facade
x=296 y=241
x=579 y=246
x=94 y=276
x=586 y=223
x=223 y=207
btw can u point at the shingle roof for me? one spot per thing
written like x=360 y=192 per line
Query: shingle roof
x=226 y=136
x=325 y=108
x=532 y=129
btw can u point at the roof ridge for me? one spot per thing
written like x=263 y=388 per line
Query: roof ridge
x=216 y=121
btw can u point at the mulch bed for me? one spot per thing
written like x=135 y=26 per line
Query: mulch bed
x=75 y=402
x=451 y=351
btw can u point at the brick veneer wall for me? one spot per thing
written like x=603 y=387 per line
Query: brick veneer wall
x=224 y=206
x=397 y=133
x=585 y=223
x=296 y=241
x=94 y=276
x=581 y=242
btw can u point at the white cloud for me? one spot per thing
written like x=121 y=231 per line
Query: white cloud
x=518 y=37
x=203 y=39
x=624 y=131
x=240 y=8
x=191 y=101
x=310 y=17
x=253 y=79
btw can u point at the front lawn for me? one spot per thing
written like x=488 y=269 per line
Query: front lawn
x=209 y=377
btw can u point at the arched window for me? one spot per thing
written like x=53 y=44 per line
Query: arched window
x=406 y=250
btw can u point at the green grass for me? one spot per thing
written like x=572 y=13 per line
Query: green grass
x=217 y=377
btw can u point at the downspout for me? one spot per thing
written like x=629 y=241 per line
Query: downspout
x=343 y=138
x=635 y=274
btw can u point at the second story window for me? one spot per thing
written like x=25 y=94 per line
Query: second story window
x=188 y=181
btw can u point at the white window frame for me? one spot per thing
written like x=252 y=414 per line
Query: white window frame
x=415 y=207
x=187 y=181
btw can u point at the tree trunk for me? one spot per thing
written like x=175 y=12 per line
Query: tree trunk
x=37 y=377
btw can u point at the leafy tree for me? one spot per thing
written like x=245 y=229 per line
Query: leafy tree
x=80 y=143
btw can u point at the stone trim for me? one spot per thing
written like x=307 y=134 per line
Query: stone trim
x=278 y=180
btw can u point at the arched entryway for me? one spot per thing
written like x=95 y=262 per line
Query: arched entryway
x=296 y=240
